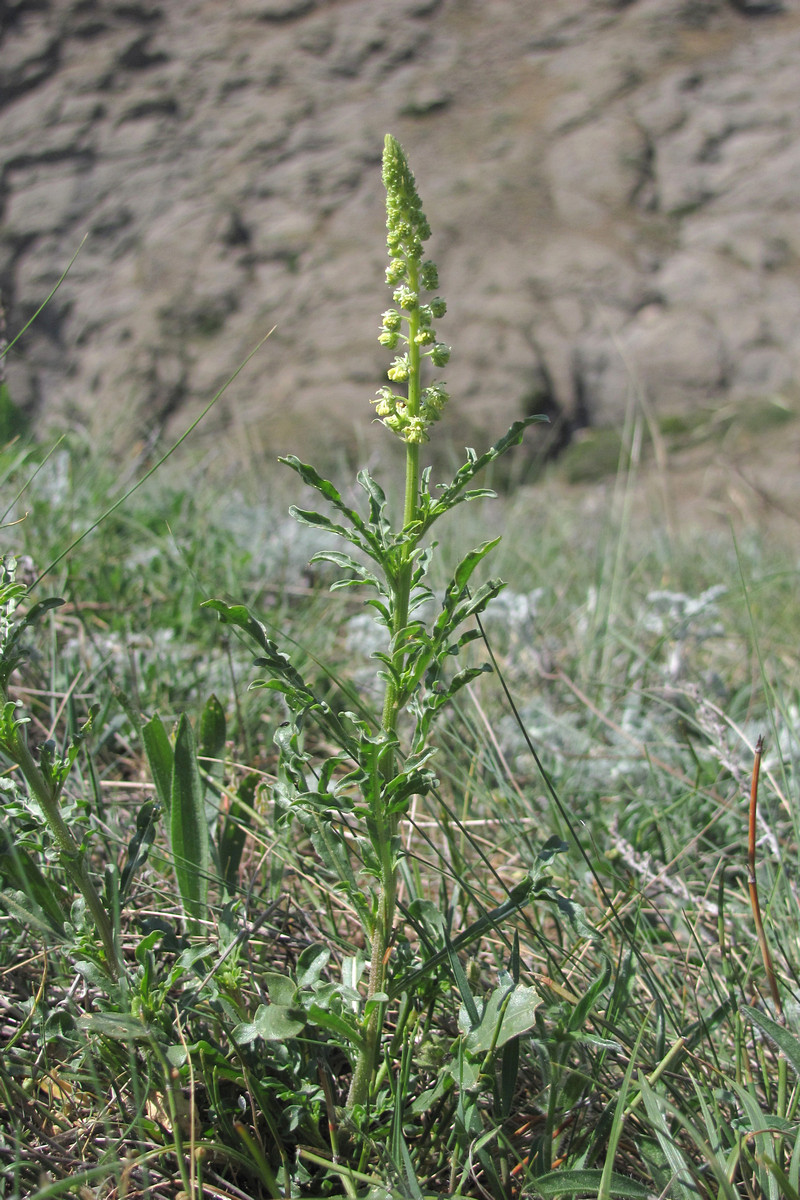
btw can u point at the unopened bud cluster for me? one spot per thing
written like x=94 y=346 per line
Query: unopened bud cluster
x=410 y=325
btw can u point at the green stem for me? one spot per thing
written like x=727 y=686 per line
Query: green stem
x=71 y=855
x=387 y=824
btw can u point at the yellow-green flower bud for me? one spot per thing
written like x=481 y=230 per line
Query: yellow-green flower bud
x=396 y=271
x=433 y=401
x=429 y=276
x=385 y=402
x=407 y=227
x=406 y=298
x=398 y=371
x=415 y=431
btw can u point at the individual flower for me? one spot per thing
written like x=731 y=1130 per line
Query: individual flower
x=406 y=298
x=398 y=371
x=429 y=276
x=416 y=431
x=433 y=401
x=395 y=271
x=385 y=402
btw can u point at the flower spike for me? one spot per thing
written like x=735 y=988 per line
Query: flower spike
x=407 y=228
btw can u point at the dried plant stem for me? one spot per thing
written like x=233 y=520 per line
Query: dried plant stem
x=751 y=880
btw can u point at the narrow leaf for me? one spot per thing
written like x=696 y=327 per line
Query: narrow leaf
x=140 y=843
x=239 y=615
x=188 y=827
x=212 y=729
x=160 y=757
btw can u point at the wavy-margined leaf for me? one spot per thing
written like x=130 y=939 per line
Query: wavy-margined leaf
x=452 y=493
x=368 y=540
x=189 y=836
x=377 y=506
x=315 y=520
x=472 y=604
x=242 y=618
x=509 y=1012
x=436 y=700
x=286 y=678
x=460 y=579
x=347 y=563
x=20 y=906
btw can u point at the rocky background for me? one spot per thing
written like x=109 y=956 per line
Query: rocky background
x=613 y=189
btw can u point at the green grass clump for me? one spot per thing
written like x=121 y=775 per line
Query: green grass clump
x=300 y=938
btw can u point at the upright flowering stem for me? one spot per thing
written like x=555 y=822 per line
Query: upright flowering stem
x=409 y=415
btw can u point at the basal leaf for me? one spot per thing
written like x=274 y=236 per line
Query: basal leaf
x=212 y=729
x=189 y=834
x=161 y=758
x=506 y=1015
x=273 y=1023
x=586 y=1182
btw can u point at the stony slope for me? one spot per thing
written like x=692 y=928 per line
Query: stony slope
x=612 y=187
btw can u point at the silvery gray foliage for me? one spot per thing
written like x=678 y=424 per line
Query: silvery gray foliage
x=683 y=621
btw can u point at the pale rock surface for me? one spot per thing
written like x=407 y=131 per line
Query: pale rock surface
x=612 y=188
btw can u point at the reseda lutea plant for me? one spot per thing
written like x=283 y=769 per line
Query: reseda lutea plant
x=381 y=763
